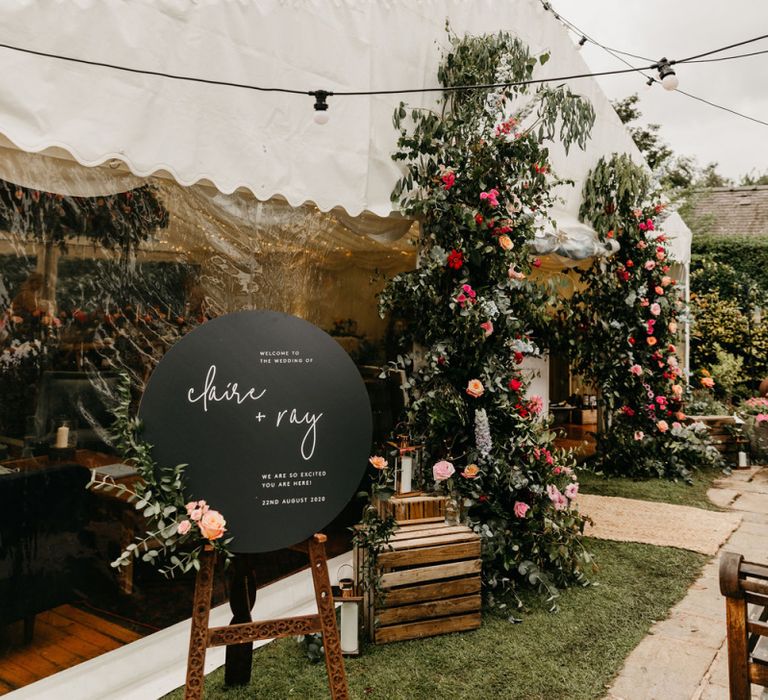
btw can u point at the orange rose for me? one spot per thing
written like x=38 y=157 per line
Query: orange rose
x=505 y=242
x=378 y=462
x=470 y=471
x=475 y=388
x=212 y=525
x=651 y=340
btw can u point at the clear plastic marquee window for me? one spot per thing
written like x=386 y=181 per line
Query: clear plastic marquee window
x=101 y=273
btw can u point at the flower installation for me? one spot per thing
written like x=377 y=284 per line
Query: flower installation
x=626 y=323
x=176 y=531
x=477 y=175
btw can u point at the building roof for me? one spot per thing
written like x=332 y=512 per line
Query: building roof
x=733 y=211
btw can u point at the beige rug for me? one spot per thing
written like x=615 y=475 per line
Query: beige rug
x=629 y=520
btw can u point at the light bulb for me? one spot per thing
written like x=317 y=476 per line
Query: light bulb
x=321 y=117
x=670 y=81
x=581 y=43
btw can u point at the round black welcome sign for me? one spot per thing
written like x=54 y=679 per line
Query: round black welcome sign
x=273 y=419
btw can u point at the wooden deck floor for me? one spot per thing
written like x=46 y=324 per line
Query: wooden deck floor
x=64 y=637
x=577 y=437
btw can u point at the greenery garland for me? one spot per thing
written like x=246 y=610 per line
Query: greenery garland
x=478 y=175
x=176 y=531
x=627 y=321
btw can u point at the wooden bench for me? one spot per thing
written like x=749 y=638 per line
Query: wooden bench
x=745 y=587
x=430 y=582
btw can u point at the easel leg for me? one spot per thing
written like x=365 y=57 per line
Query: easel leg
x=242 y=596
x=334 y=662
x=198 y=638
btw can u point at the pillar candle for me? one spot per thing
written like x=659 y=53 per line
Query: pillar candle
x=349 y=622
x=406 y=474
x=742 y=459
x=62 y=436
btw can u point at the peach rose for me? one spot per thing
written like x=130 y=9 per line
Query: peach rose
x=505 y=242
x=212 y=525
x=470 y=471
x=378 y=462
x=666 y=281
x=677 y=390
x=707 y=382
x=475 y=388
x=651 y=340
x=663 y=426
x=672 y=326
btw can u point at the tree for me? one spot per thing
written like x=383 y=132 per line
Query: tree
x=646 y=138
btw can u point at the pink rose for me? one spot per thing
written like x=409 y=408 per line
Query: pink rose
x=490 y=196
x=650 y=265
x=639 y=435
x=572 y=490
x=677 y=424
x=487 y=327
x=184 y=527
x=442 y=470
x=475 y=388
x=761 y=417
x=212 y=525
x=515 y=274
x=521 y=509
x=663 y=426
x=637 y=370
x=559 y=501
x=655 y=309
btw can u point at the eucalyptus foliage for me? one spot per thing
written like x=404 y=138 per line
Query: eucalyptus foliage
x=477 y=174
x=158 y=495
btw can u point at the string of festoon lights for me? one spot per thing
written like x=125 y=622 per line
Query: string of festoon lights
x=663 y=67
x=672 y=82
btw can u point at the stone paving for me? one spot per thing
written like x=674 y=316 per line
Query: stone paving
x=684 y=657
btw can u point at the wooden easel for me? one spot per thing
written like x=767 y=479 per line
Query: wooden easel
x=245 y=633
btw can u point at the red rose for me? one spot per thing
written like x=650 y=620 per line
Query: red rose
x=630 y=263
x=518 y=357
x=536 y=262
x=455 y=259
x=478 y=218
x=515 y=384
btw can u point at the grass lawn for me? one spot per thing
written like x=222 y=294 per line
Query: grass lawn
x=569 y=655
x=677 y=492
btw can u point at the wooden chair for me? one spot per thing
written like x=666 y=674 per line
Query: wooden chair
x=745 y=585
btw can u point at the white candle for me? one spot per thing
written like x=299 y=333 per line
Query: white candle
x=742 y=459
x=349 y=643
x=62 y=436
x=406 y=474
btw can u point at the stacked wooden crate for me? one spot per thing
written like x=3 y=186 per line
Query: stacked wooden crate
x=415 y=506
x=429 y=581
x=725 y=436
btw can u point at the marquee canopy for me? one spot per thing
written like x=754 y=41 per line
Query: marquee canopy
x=265 y=142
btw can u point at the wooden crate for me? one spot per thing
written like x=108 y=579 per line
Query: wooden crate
x=417 y=506
x=721 y=431
x=430 y=581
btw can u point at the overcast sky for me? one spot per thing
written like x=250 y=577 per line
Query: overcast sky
x=676 y=29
